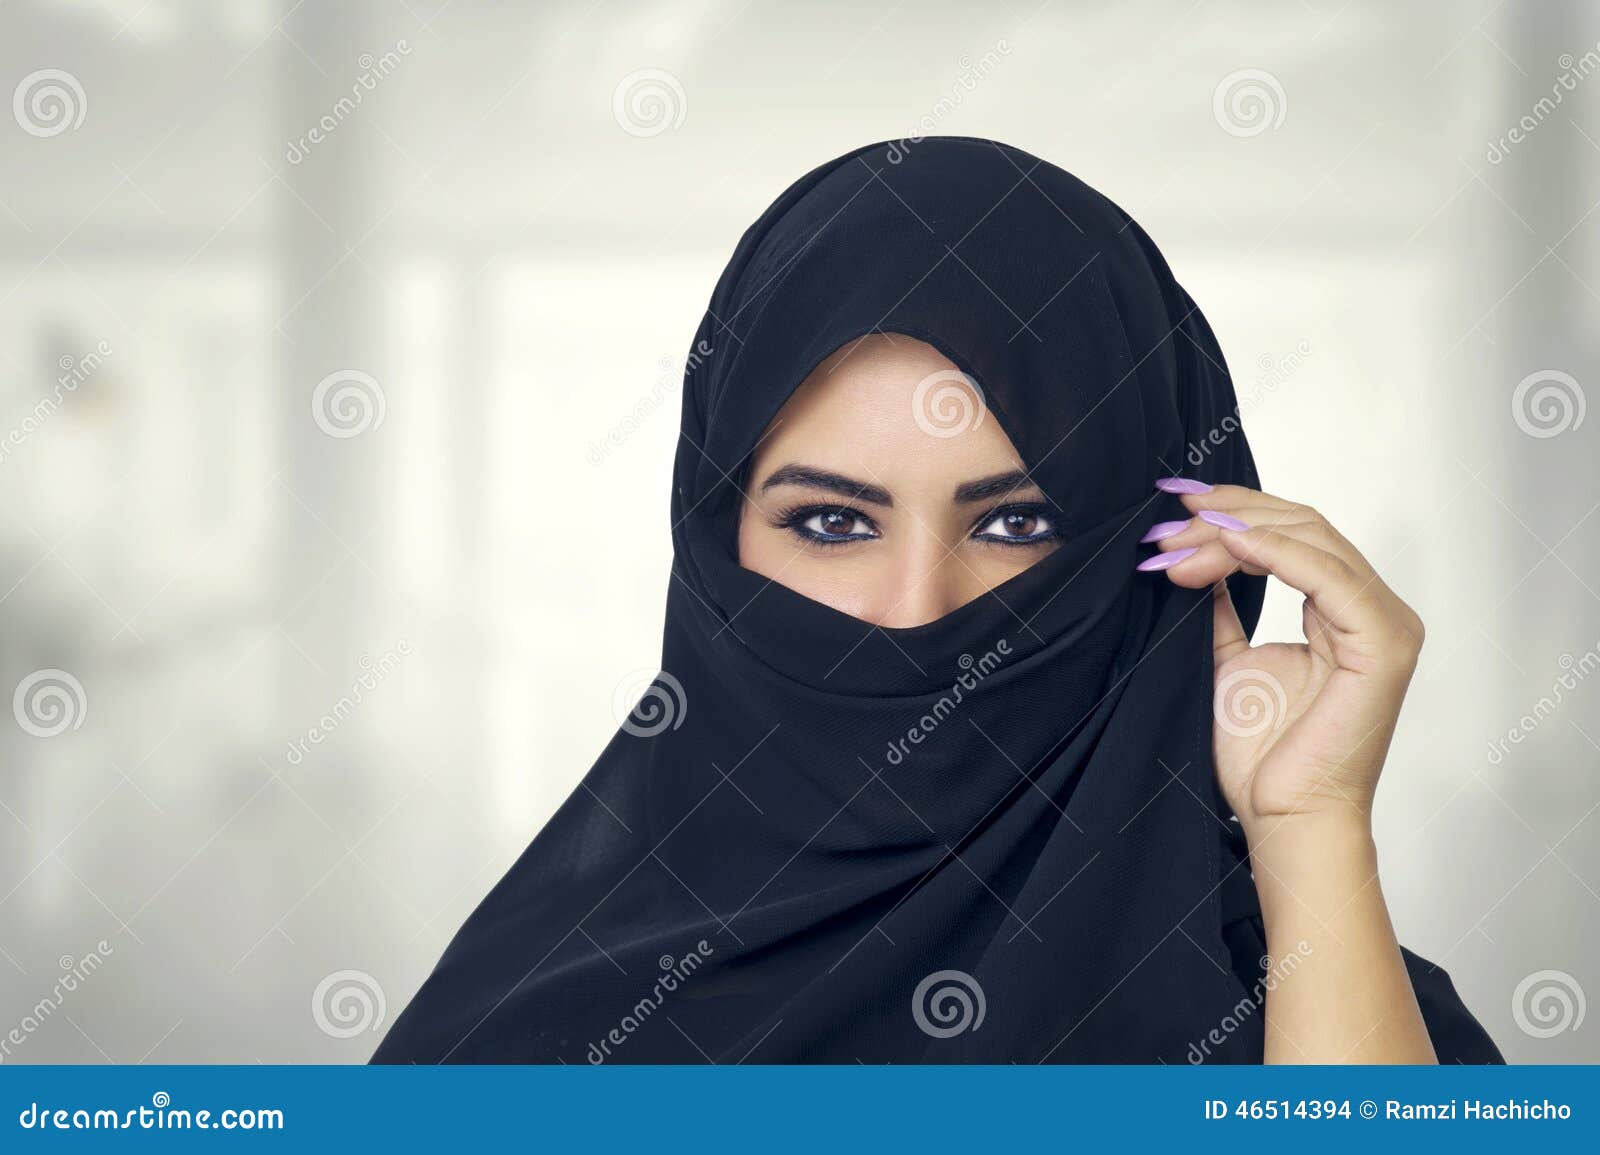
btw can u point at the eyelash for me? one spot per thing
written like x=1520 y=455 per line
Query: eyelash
x=794 y=519
x=1026 y=509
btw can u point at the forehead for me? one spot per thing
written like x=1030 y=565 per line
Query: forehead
x=892 y=409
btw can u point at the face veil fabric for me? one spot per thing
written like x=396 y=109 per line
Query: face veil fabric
x=991 y=838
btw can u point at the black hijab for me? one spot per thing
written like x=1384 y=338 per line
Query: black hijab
x=995 y=837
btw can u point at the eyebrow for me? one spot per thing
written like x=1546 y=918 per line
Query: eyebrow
x=999 y=485
x=809 y=478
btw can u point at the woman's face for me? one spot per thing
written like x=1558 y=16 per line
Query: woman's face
x=884 y=490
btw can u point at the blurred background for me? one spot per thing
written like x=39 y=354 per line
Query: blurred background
x=339 y=357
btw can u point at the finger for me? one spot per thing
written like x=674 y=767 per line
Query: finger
x=1344 y=597
x=1232 y=497
x=1313 y=529
x=1228 y=638
x=1198 y=529
x=1298 y=521
x=1318 y=533
x=1197 y=567
x=1319 y=634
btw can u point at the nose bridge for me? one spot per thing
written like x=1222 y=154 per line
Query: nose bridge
x=927 y=578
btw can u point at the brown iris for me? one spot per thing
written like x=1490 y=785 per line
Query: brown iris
x=837 y=521
x=1021 y=524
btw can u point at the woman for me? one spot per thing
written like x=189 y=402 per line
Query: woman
x=945 y=762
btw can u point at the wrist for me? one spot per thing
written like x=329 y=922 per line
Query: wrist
x=1338 y=830
x=1312 y=864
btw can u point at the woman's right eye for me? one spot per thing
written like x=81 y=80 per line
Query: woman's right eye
x=834 y=525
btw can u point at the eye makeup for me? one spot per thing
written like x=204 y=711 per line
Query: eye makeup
x=826 y=524
x=1020 y=523
x=1012 y=525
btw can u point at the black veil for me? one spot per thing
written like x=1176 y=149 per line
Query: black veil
x=992 y=838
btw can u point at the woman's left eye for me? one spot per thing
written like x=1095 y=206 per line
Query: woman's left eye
x=1016 y=526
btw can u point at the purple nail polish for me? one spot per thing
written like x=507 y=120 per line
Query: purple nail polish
x=1181 y=485
x=1163 y=529
x=1221 y=520
x=1165 y=560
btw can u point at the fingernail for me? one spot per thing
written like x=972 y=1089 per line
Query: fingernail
x=1163 y=529
x=1221 y=520
x=1165 y=560
x=1181 y=485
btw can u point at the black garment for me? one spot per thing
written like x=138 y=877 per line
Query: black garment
x=810 y=819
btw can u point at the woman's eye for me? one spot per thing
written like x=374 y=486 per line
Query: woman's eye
x=1017 y=525
x=837 y=524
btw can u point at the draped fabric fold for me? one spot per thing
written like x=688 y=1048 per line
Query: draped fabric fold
x=992 y=838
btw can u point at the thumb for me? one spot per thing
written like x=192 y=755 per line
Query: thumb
x=1228 y=638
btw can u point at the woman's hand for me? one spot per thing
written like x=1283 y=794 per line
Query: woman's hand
x=1300 y=735
x=1301 y=729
